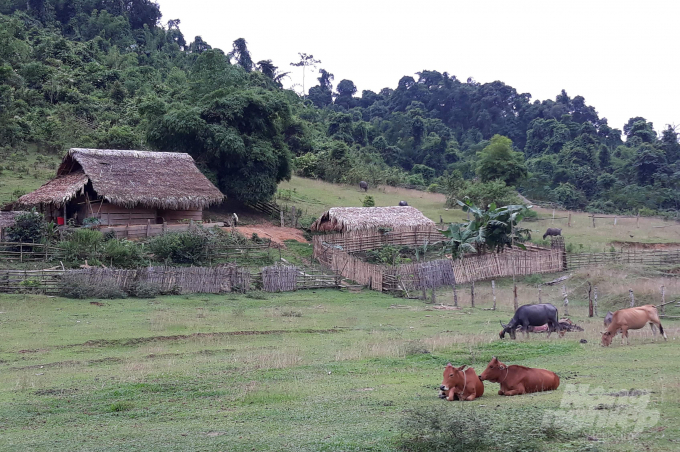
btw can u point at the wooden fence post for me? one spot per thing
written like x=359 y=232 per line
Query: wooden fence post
x=569 y=221
x=590 y=300
x=632 y=298
x=637 y=220
x=282 y=222
x=292 y=216
x=566 y=301
x=539 y=295
x=615 y=220
x=593 y=220
x=663 y=300
x=595 y=301
x=493 y=291
x=148 y=227
x=455 y=296
x=515 y=305
x=553 y=219
x=472 y=293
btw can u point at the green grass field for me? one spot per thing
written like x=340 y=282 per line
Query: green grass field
x=304 y=371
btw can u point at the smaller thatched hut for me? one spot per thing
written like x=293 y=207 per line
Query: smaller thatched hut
x=355 y=229
x=347 y=219
x=124 y=188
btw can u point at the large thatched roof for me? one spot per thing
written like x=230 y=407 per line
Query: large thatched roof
x=345 y=219
x=167 y=180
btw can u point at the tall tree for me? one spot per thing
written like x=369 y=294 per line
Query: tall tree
x=241 y=54
x=305 y=62
x=499 y=161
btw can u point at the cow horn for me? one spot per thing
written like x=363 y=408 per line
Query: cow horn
x=504 y=326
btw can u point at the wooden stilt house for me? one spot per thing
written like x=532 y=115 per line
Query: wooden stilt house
x=124 y=188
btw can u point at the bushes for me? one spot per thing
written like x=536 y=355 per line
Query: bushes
x=81 y=244
x=75 y=285
x=123 y=254
x=28 y=227
x=188 y=247
x=454 y=428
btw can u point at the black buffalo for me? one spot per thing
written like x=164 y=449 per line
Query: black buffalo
x=403 y=203
x=554 y=232
x=363 y=185
x=532 y=315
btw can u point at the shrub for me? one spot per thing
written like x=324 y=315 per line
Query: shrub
x=433 y=188
x=453 y=428
x=81 y=244
x=78 y=286
x=122 y=254
x=28 y=227
x=143 y=289
x=368 y=201
x=187 y=247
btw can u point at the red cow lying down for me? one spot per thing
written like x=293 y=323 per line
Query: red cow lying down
x=459 y=384
x=516 y=380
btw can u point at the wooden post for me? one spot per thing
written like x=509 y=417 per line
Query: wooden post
x=64 y=212
x=637 y=220
x=553 y=220
x=663 y=300
x=455 y=296
x=493 y=291
x=282 y=222
x=472 y=294
x=590 y=300
x=539 y=295
x=615 y=220
x=148 y=226
x=632 y=298
x=165 y=226
x=292 y=216
x=569 y=221
x=593 y=220
x=434 y=297
x=566 y=301
x=595 y=301
x=515 y=304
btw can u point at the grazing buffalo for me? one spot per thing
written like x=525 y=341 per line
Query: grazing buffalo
x=363 y=185
x=403 y=203
x=459 y=384
x=632 y=319
x=608 y=318
x=516 y=380
x=532 y=315
x=554 y=232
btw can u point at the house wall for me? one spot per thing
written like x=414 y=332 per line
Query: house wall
x=177 y=216
x=111 y=214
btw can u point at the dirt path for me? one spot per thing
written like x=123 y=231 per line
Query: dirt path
x=276 y=233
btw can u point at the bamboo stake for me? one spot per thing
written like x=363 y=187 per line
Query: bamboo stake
x=515 y=303
x=566 y=301
x=493 y=291
x=539 y=295
x=663 y=300
x=569 y=221
x=472 y=294
x=632 y=298
x=590 y=300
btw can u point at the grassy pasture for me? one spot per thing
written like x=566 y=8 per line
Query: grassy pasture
x=317 y=196
x=310 y=370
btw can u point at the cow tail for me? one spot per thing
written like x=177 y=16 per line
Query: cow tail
x=661 y=328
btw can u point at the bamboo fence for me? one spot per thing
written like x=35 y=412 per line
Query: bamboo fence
x=279 y=278
x=26 y=252
x=472 y=268
x=370 y=239
x=654 y=258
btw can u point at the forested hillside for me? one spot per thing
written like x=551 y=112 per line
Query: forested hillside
x=97 y=73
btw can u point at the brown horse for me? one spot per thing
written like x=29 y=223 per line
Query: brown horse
x=632 y=319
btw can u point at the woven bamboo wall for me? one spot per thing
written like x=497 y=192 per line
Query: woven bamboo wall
x=370 y=239
x=474 y=268
x=279 y=278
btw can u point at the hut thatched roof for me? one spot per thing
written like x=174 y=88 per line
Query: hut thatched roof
x=166 y=180
x=7 y=219
x=345 y=219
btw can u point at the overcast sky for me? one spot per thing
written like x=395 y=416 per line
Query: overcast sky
x=621 y=55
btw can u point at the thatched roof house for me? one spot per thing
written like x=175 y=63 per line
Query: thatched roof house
x=348 y=219
x=125 y=187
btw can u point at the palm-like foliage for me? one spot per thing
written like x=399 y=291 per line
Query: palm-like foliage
x=494 y=229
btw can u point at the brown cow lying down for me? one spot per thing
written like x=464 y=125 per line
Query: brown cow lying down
x=459 y=384
x=516 y=380
x=632 y=319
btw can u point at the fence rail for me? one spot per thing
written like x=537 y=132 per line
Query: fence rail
x=640 y=257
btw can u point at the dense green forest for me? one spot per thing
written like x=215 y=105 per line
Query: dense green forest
x=99 y=73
